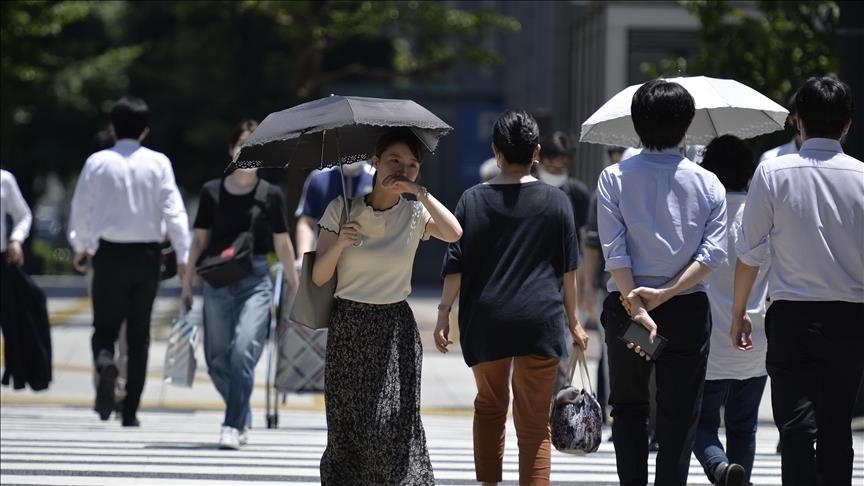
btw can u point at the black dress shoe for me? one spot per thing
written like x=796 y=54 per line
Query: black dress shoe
x=105 y=391
x=131 y=422
x=729 y=475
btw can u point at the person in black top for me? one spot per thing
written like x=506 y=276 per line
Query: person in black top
x=236 y=315
x=553 y=169
x=516 y=267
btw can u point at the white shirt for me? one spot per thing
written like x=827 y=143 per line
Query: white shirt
x=808 y=209
x=779 y=151
x=13 y=204
x=126 y=194
x=378 y=271
x=724 y=361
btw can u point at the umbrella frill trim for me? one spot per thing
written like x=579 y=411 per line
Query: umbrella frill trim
x=291 y=136
x=347 y=159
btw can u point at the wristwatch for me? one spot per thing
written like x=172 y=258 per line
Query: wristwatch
x=444 y=307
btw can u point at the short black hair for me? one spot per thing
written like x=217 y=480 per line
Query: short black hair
x=103 y=140
x=516 y=135
x=400 y=135
x=130 y=116
x=731 y=160
x=825 y=106
x=791 y=105
x=661 y=113
x=557 y=145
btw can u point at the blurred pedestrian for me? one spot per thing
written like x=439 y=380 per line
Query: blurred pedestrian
x=554 y=169
x=13 y=204
x=321 y=187
x=237 y=315
x=374 y=355
x=807 y=209
x=734 y=381
x=122 y=197
x=515 y=273
x=23 y=309
x=662 y=223
x=793 y=145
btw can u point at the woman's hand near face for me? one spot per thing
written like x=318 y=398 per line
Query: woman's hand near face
x=400 y=183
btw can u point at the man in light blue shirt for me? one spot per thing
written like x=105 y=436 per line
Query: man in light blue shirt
x=808 y=210
x=662 y=226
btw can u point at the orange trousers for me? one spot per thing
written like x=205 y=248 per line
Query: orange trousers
x=533 y=378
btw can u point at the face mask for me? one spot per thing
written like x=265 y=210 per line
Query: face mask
x=353 y=169
x=556 y=180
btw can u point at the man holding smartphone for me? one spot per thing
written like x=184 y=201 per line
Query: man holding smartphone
x=807 y=211
x=662 y=225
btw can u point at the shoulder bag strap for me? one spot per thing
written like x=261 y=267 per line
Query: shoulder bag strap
x=259 y=202
x=577 y=358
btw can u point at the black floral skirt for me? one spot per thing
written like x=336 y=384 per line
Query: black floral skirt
x=372 y=394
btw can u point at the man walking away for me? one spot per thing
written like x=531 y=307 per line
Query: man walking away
x=661 y=220
x=122 y=197
x=807 y=209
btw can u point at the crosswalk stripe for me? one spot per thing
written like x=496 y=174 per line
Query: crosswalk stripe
x=56 y=445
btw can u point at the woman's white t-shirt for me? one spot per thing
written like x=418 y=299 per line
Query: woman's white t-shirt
x=378 y=271
x=725 y=362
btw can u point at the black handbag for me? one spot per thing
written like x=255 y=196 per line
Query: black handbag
x=234 y=262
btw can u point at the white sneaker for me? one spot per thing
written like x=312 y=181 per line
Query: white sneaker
x=229 y=438
x=243 y=437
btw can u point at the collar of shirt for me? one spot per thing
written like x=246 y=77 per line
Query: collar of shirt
x=821 y=144
x=665 y=151
x=127 y=143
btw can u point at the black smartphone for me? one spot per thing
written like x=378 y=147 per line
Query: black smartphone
x=635 y=333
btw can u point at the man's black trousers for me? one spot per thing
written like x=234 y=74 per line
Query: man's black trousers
x=815 y=361
x=685 y=321
x=125 y=282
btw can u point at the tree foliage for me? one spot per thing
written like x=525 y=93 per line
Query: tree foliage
x=204 y=65
x=773 y=48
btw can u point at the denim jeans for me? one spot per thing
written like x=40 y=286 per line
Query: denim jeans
x=236 y=318
x=740 y=398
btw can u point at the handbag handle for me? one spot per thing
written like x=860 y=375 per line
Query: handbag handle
x=577 y=358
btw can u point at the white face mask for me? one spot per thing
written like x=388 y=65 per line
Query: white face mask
x=556 y=180
x=353 y=169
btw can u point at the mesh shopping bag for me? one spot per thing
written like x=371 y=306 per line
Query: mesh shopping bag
x=180 y=360
x=576 y=418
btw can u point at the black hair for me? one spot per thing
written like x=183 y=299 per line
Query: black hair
x=825 y=106
x=400 y=135
x=241 y=128
x=661 y=113
x=130 y=116
x=791 y=105
x=558 y=145
x=516 y=135
x=103 y=140
x=731 y=160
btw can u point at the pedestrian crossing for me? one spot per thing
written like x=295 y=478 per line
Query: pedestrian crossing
x=70 y=446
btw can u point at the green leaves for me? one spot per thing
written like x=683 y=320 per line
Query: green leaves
x=773 y=48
